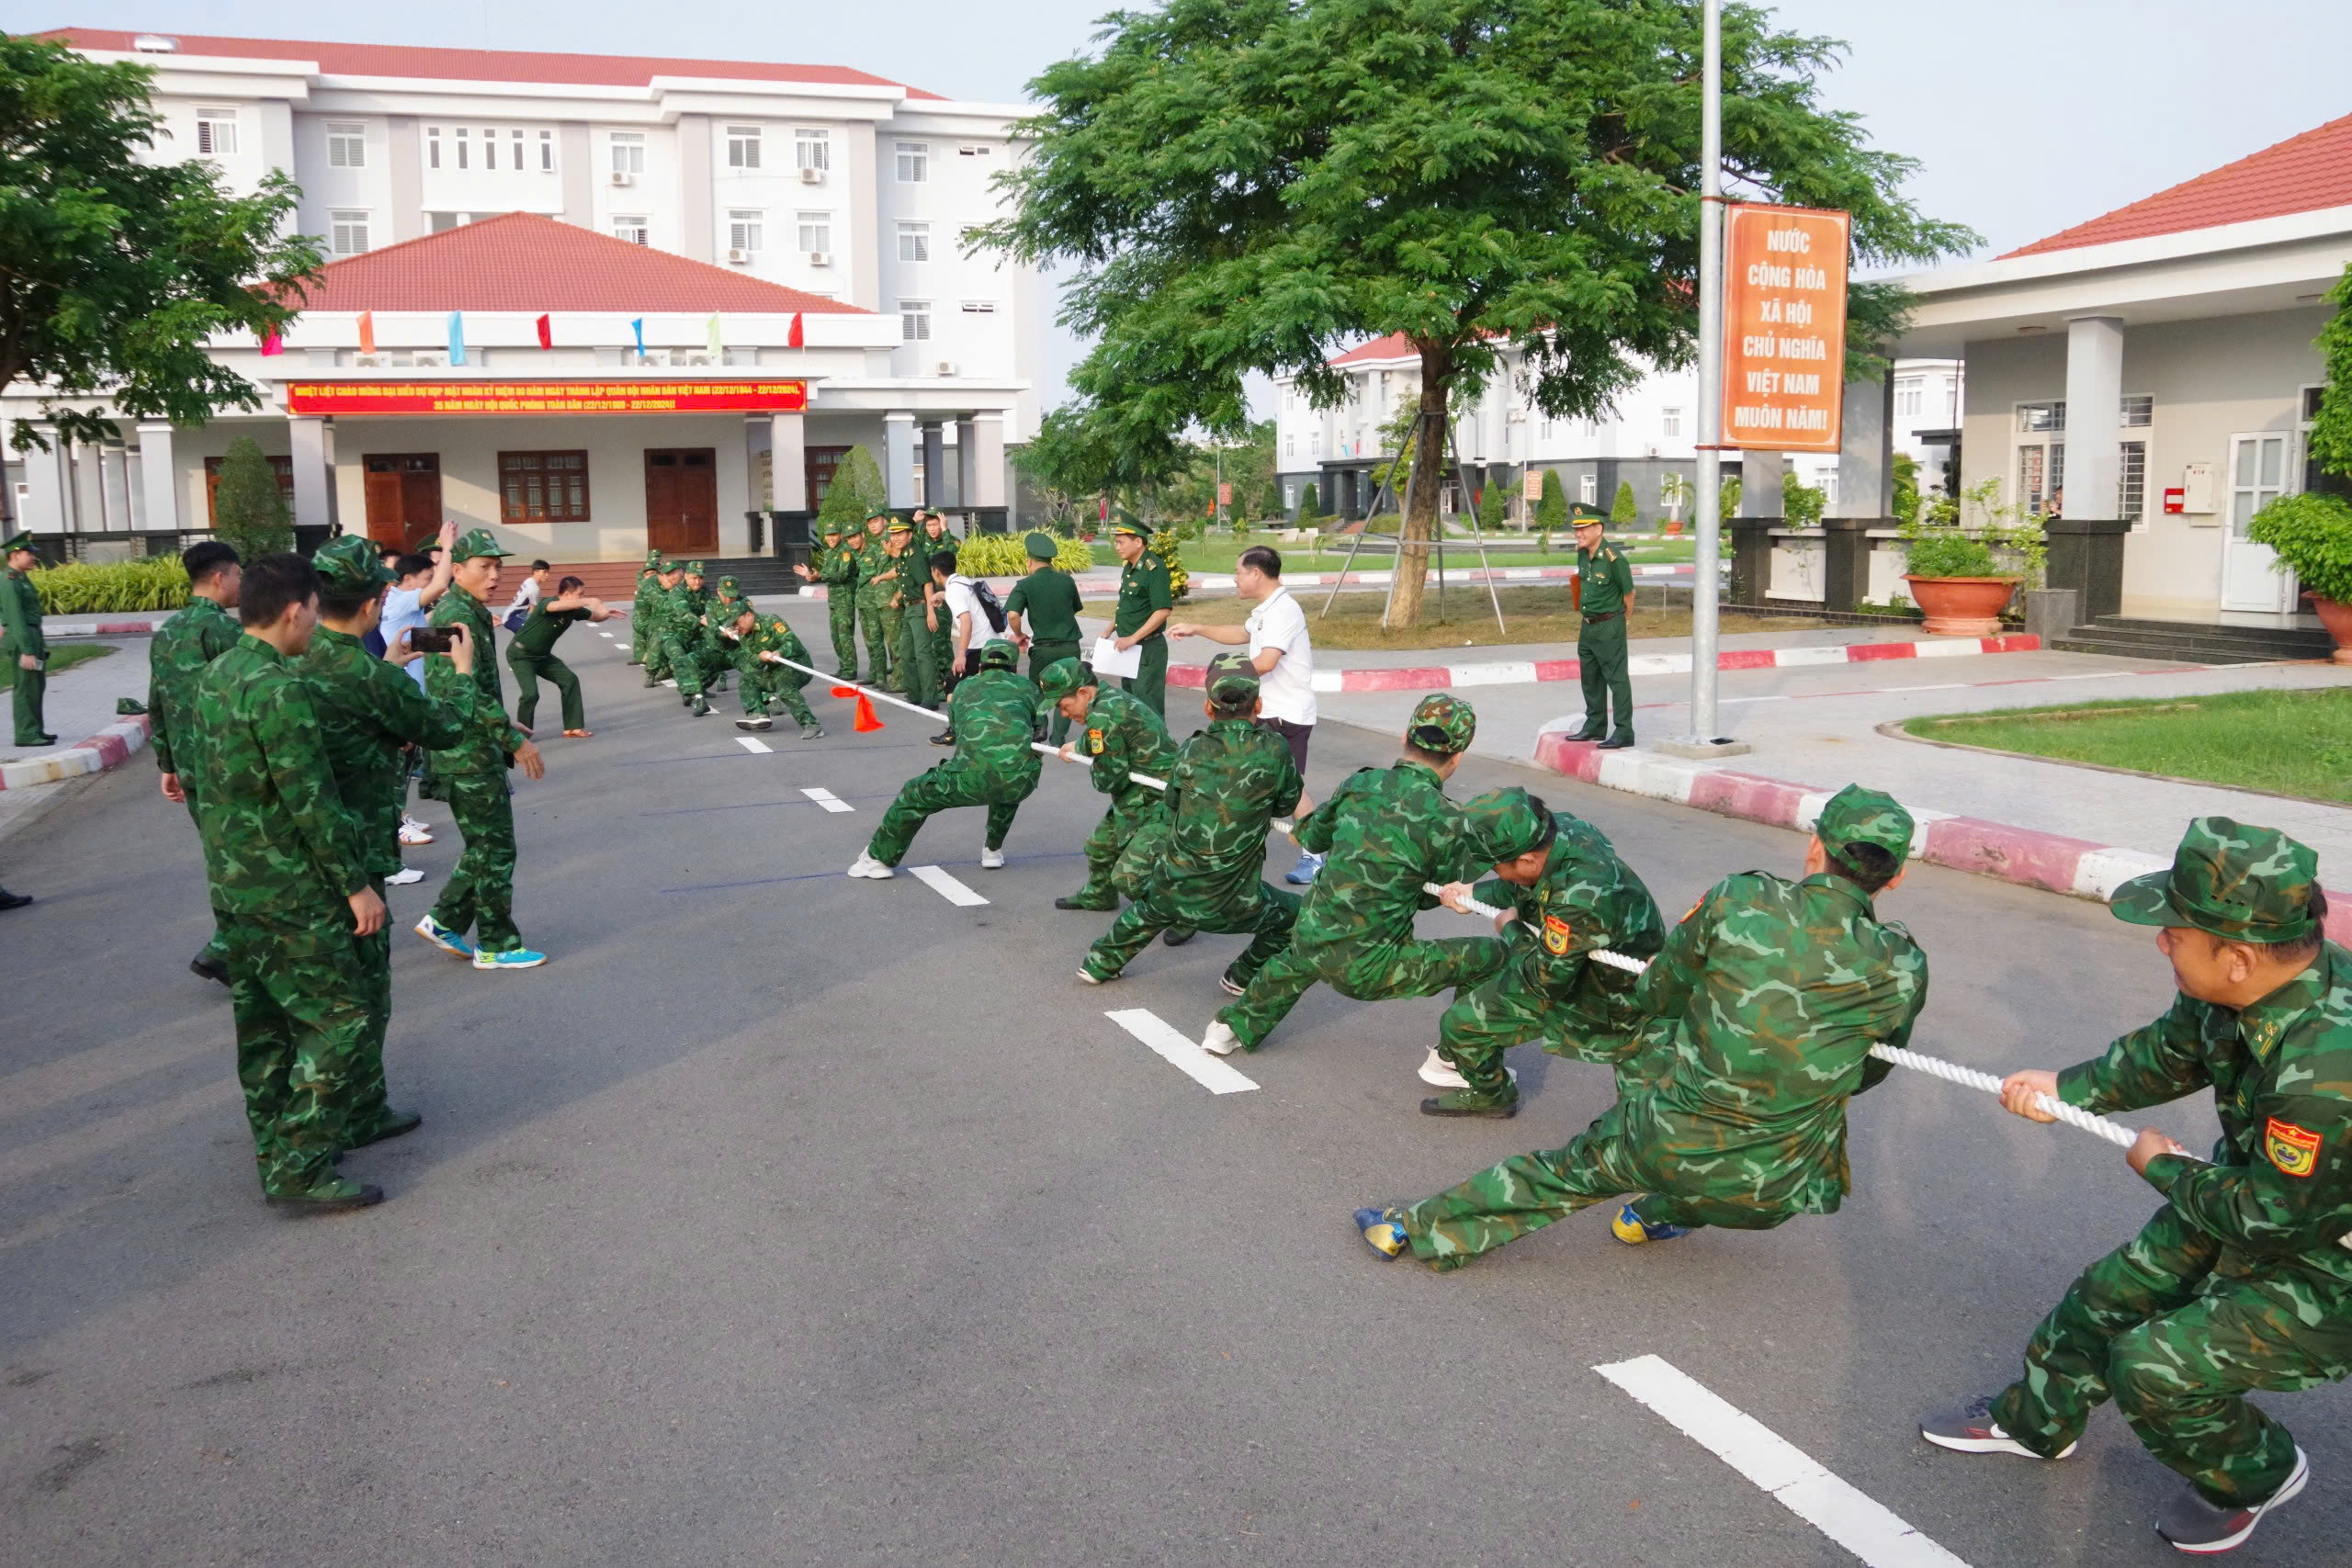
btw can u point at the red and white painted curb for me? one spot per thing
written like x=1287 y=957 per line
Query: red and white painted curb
x=144 y=626
x=2052 y=862
x=1523 y=671
x=109 y=748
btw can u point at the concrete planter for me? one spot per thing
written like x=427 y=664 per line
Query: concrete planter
x=1962 y=607
x=2337 y=618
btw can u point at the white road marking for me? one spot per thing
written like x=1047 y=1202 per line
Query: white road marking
x=606 y=635
x=947 y=888
x=1793 y=1479
x=753 y=743
x=1212 y=1073
x=672 y=684
x=826 y=798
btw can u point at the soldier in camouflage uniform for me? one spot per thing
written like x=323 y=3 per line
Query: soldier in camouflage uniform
x=993 y=713
x=658 y=606
x=289 y=889
x=756 y=641
x=1118 y=736
x=640 y=615
x=1204 y=851
x=1567 y=895
x=681 y=634
x=877 y=584
x=177 y=660
x=718 y=653
x=367 y=710
x=834 y=564
x=1387 y=833
x=2243 y=1279
x=472 y=776
x=1774 y=992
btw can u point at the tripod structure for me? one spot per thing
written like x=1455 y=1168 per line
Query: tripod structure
x=1437 y=539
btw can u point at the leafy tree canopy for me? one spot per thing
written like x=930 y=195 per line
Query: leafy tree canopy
x=855 y=492
x=249 y=509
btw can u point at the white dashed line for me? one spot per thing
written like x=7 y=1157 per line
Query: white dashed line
x=606 y=635
x=1787 y=1473
x=826 y=798
x=1210 y=1072
x=947 y=886
x=672 y=684
x=753 y=743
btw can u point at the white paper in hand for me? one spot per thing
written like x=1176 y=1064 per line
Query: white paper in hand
x=1108 y=660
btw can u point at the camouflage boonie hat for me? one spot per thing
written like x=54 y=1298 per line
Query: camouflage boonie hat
x=1232 y=679
x=1061 y=678
x=1442 y=724
x=1041 y=547
x=349 y=566
x=1507 y=824
x=476 y=542
x=2230 y=880
x=999 y=654
x=1859 y=816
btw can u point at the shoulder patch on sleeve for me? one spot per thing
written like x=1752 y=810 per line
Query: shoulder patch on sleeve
x=1556 y=936
x=2294 y=1150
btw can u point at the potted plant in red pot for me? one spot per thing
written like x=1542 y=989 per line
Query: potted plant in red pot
x=2312 y=533
x=1955 y=580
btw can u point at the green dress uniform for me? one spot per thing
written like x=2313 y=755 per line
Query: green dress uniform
x=1586 y=900
x=183 y=649
x=530 y=654
x=2243 y=1279
x=911 y=645
x=877 y=583
x=283 y=859
x=1208 y=850
x=1122 y=738
x=1048 y=598
x=1774 y=992
x=836 y=566
x=1144 y=587
x=942 y=634
x=471 y=775
x=1385 y=833
x=1602 y=660
x=20 y=636
x=993 y=715
x=767 y=685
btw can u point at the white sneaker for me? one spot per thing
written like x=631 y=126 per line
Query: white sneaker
x=867 y=867
x=991 y=860
x=1090 y=980
x=1439 y=1071
x=403 y=876
x=412 y=831
x=1220 y=1040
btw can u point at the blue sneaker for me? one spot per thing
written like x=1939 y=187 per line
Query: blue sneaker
x=513 y=958
x=442 y=937
x=1633 y=1230
x=1382 y=1232
x=1301 y=874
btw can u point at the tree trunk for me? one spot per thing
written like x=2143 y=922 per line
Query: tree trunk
x=1419 y=500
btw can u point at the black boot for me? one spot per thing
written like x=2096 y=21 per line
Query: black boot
x=14 y=901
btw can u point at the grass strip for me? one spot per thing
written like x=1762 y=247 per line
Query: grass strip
x=62 y=656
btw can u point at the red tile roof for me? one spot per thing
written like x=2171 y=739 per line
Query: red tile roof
x=1395 y=345
x=482 y=65
x=2299 y=175
x=521 y=261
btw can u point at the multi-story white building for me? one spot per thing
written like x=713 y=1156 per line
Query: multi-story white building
x=804 y=221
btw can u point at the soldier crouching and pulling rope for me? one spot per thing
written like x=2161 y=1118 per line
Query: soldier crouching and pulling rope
x=993 y=714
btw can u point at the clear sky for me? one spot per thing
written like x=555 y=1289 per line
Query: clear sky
x=2027 y=116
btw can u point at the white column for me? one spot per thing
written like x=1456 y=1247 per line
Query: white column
x=114 y=486
x=1759 y=485
x=967 y=476
x=313 y=475
x=45 y=487
x=898 y=458
x=159 y=479
x=789 y=460
x=2094 y=415
x=1866 y=451
x=987 y=461
x=935 y=464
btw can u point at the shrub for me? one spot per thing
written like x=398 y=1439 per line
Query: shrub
x=1007 y=554
x=1164 y=545
x=1801 y=503
x=1907 y=500
x=2312 y=533
x=1948 y=552
x=1310 y=508
x=1622 y=511
x=1494 y=511
x=85 y=587
x=855 y=493
x=1728 y=492
x=249 y=511
x=1552 y=510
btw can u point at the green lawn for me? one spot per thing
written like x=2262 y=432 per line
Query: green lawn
x=1218 y=552
x=62 y=656
x=1532 y=614
x=2288 y=742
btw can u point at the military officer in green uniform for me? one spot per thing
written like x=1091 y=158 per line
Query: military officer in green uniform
x=640 y=613
x=530 y=656
x=1774 y=992
x=1605 y=592
x=1205 y=853
x=1141 y=618
x=994 y=715
x=1041 y=614
x=758 y=643
x=1565 y=895
x=290 y=891
x=1118 y=736
x=1385 y=834
x=2243 y=1280
x=183 y=648
x=671 y=577
x=877 y=584
x=834 y=564
x=21 y=642
x=910 y=642
x=937 y=621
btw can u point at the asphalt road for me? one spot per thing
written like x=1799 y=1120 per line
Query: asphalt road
x=784 y=1219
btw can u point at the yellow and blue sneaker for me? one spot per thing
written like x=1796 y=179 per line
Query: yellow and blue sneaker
x=513 y=958
x=1384 y=1232
x=454 y=944
x=1633 y=1230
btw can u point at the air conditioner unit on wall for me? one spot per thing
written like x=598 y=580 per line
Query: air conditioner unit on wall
x=623 y=177
x=812 y=177
x=820 y=258
x=948 y=367
x=739 y=258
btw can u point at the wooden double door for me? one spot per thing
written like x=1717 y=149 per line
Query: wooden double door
x=403 y=497
x=682 y=499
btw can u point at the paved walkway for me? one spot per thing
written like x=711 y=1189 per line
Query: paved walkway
x=81 y=700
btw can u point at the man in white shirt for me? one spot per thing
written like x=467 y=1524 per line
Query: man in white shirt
x=967 y=627
x=1275 y=634
x=536 y=581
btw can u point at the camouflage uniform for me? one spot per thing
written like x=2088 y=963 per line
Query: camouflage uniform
x=176 y=660
x=640 y=615
x=836 y=565
x=20 y=634
x=717 y=652
x=283 y=860
x=1385 y=833
x=767 y=685
x=659 y=607
x=1774 y=991
x=2242 y=1280
x=1122 y=736
x=1586 y=899
x=910 y=644
x=472 y=775
x=993 y=715
x=681 y=634
x=874 y=613
x=1205 y=851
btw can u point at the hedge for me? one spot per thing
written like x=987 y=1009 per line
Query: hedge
x=83 y=588
x=1007 y=554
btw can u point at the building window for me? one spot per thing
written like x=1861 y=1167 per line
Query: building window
x=1673 y=422
x=2035 y=418
x=461 y=134
x=2139 y=412
x=742 y=146
x=628 y=152
x=347 y=232
x=980 y=307
x=914 y=162
x=547 y=152
x=1588 y=488
x=816 y=233
x=914 y=241
x=1290 y=444
x=216 y=132
x=517 y=148
x=636 y=230
x=442 y=222
x=1909 y=398
x=746 y=232
x=812 y=150
x=489 y=148
x=347 y=146
x=914 y=320
x=543 y=487
x=2041 y=474
x=432 y=146
x=2132 y=483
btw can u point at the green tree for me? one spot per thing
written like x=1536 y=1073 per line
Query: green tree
x=1801 y=503
x=1551 y=508
x=855 y=492
x=249 y=511
x=1622 y=511
x=114 y=270
x=1728 y=502
x=1243 y=185
x=1310 y=507
x=1907 y=488
x=1494 y=511
x=2331 y=442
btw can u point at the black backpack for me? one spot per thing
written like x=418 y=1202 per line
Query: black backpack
x=990 y=605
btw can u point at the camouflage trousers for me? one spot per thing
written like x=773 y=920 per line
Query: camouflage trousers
x=657 y=658
x=480 y=894
x=840 y=611
x=529 y=670
x=300 y=997
x=1388 y=973
x=774 y=685
x=677 y=657
x=638 y=623
x=217 y=947
x=1043 y=653
x=2177 y=1328
x=1505 y=1012
x=918 y=663
x=364 y=1098
x=881 y=627
x=952 y=783
x=1115 y=865
x=1263 y=913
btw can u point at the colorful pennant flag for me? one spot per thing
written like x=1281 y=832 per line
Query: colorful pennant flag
x=457 y=337
x=366 y=332
x=547 y=334
x=272 y=343
x=713 y=330
x=638 y=326
x=795 y=341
